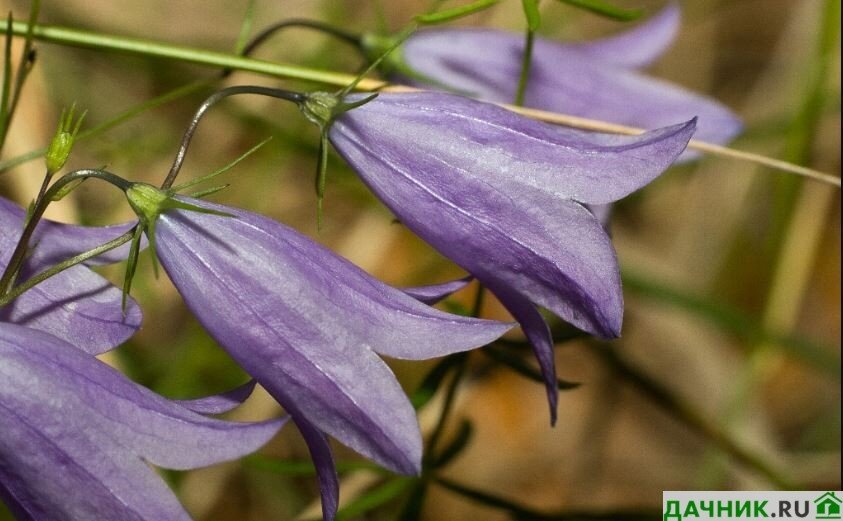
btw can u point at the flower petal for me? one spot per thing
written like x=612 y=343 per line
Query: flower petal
x=434 y=293
x=486 y=64
x=97 y=481
x=76 y=305
x=637 y=47
x=55 y=242
x=452 y=135
x=551 y=250
x=326 y=470
x=538 y=333
x=64 y=411
x=93 y=396
x=220 y=403
x=306 y=323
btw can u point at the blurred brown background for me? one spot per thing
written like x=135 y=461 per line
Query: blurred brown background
x=722 y=257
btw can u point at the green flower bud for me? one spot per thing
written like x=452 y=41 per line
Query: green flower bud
x=62 y=143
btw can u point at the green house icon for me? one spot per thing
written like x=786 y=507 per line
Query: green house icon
x=828 y=506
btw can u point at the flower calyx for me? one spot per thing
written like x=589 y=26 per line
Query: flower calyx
x=322 y=108
x=149 y=202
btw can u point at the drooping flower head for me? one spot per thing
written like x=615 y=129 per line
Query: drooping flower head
x=77 y=437
x=503 y=197
x=599 y=79
x=308 y=325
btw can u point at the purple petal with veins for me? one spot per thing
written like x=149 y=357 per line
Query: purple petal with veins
x=76 y=305
x=502 y=196
x=66 y=413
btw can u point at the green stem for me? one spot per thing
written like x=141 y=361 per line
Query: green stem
x=138 y=46
x=66 y=264
x=526 y=66
x=212 y=100
x=523 y=512
x=345 y=36
x=446 y=408
x=19 y=255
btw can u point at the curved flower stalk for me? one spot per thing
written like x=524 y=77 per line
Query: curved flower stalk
x=598 y=79
x=77 y=305
x=307 y=325
x=502 y=196
x=77 y=436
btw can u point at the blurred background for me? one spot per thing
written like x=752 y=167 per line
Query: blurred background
x=728 y=371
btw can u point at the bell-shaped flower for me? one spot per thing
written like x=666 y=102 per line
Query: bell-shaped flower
x=77 y=437
x=77 y=305
x=307 y=325
x=502 y=196
x=597 y=79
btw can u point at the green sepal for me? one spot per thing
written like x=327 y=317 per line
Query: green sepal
x=342 y=107
x=209 y=191
x=602 y=8
x=131 y=265
x=321 y=176
x=149 y=202
x=455 y=13
x=321 y=108
x=66 y=189
x=220 y=171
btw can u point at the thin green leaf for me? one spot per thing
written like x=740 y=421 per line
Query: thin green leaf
x=455 y=13
x=120 y=118
x=7 y=79
x=734 y=321
x=686 y=412
x=453 y=449
x=431 y=383
x=245 y=28
x=523 y=513
x=412 y=510
x=374 y=498
x=27 y=58
x=517 y=364
x=605 y=9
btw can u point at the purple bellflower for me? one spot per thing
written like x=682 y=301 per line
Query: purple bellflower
x=308 y=326
x=77 y=436
x=503 y=196
x=64 y=412
x=77 y=305
x=597 y=79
